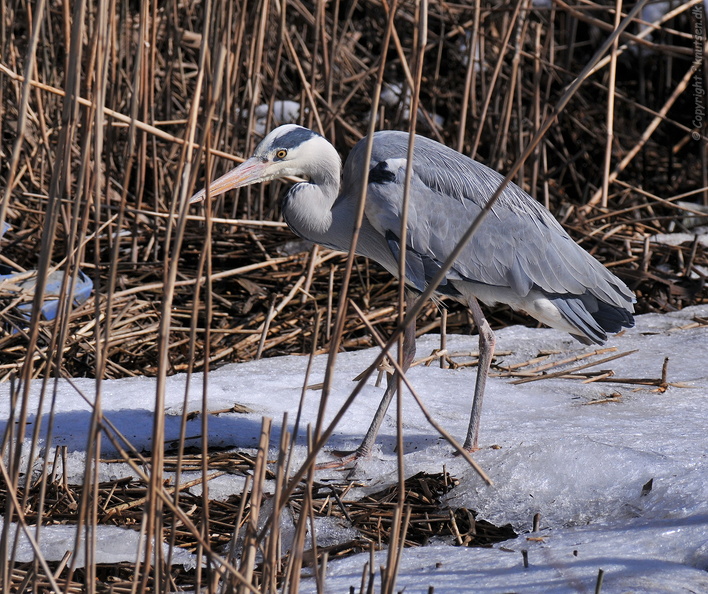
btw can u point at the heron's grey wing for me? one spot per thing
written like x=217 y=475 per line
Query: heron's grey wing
x=519 y=245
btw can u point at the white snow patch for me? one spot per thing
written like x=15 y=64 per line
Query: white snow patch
x=582 y=467
x=113 y=545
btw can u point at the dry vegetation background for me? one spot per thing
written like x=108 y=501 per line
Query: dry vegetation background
x=112 y=113
x=94 y=158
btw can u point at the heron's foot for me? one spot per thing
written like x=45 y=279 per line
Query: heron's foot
x=470 y=448
x=475 y=448
x=344 y=459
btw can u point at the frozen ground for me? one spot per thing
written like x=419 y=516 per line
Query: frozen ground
x=581 y=466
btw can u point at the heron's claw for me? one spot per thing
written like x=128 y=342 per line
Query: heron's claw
x=468 y=450
x=343 y=458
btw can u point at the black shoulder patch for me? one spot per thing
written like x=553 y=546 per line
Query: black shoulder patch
x=381 y=174
x=295 y=138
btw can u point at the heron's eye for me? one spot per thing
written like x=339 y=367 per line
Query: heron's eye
x=281 y=154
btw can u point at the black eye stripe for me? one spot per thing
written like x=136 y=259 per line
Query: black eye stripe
x=295 y=137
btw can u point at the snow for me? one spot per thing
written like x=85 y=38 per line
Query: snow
x=392 y=95
x=285 y=111
x=582 y=466
x=680 y=238
x=113 y=545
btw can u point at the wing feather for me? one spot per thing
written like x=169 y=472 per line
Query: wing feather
x=520 y=245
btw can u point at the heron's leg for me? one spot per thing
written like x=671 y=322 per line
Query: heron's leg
x=486 y=352
x=408 y=354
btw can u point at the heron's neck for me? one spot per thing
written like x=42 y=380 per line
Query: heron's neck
x=307 y=207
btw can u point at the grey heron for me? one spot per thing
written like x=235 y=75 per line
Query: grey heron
x=520 y=255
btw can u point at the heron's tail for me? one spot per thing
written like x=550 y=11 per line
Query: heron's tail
x=592 y=318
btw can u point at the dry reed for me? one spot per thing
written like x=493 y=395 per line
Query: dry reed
x=112 y=113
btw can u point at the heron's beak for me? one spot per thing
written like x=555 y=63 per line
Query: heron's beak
x=251 y=171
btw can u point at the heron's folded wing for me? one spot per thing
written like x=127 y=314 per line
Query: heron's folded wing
x=519 y=245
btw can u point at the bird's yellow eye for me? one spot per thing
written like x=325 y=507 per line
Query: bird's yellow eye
x=281 y=154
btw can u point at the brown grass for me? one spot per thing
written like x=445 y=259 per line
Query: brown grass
x=112 y=114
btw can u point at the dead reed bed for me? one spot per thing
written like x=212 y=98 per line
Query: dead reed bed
x=111 y=114
x=121 y=502
x=112 y=212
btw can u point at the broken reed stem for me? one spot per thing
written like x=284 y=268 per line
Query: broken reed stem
x=421 y=32
x=272 y=558
x=573 y=369
x=250 y=538
x=546 y=366
x=610 y=109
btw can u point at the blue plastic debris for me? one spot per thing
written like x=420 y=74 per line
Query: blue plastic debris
x=82 y=291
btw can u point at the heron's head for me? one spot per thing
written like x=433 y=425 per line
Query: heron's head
x=289 y=150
